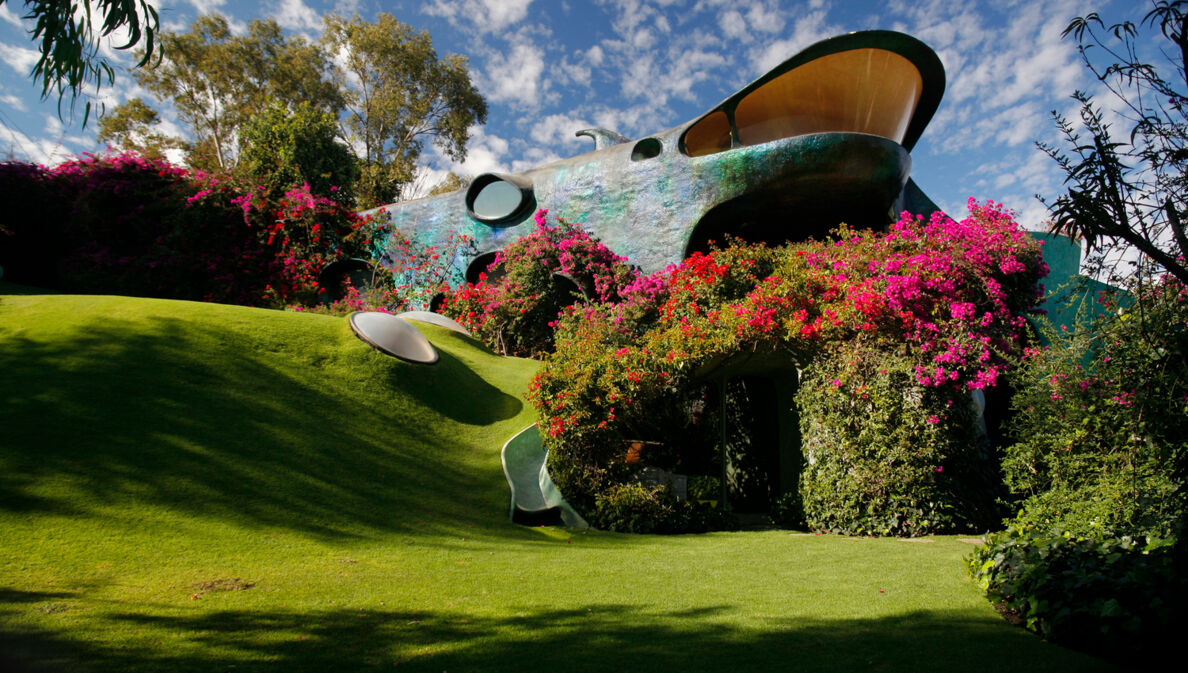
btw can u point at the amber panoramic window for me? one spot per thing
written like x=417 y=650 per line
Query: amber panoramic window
x=862 y=91
x=857 y=91
x=709 y=135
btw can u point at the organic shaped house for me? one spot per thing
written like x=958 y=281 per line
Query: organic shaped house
x=821 y=139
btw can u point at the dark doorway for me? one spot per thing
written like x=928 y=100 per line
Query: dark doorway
x=762 y=456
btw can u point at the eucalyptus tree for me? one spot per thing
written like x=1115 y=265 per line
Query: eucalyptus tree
x=69 y=37
x=217 y=81
x=398 y=95
x=281 y=147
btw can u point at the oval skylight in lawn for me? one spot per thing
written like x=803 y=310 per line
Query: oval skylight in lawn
x=393 y=336
x=434 y=319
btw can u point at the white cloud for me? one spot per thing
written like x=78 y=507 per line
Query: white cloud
x=36 y=150
x=515 y=77
x=9 y=16
x=296 y=16
x=733 y=25
x=21 y=59
x=559 y=129
x=346 y=7
x=12 y=102
x=807 y=29
x=485 y=16
x=594 y=55
x=1019 y=124
x=534 y=157
x=765 y=18
x=485 y=153
x=206 y=6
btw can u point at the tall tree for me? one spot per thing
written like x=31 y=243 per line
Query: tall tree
x=400 y=94
x=1129 y=189
x=69 y=38
x=217 y=81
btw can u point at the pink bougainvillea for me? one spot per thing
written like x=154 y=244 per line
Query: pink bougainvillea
x=947 y=297
x=516 y=301
x=126 y=224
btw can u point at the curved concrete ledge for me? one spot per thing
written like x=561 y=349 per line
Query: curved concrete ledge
x=534 y=497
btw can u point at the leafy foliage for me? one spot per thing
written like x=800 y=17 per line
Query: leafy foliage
x=133 y=126
x=280 y=147
x=1122 y=597
x=69 y=47
x=886 y=455
x=1099 y=425
x=1130 y=190
x=219 y=81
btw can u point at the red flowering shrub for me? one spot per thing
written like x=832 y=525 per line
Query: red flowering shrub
x=945 y=298
x=300 y=234
x=515 y=303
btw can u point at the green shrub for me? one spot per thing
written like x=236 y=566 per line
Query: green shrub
x=788 y=511
x=279 y=148
x=886 y=455
x=1115 y=596
x=1100 y=416
x=633 y=507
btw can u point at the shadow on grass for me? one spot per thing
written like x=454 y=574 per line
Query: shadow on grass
x=591 y=638
x=15 y=289
x=223 y=423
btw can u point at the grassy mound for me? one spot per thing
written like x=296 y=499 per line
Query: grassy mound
x=193 y=487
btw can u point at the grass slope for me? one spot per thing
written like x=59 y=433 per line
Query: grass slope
x=193 y=487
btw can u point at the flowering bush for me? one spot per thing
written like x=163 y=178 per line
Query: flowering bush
x=301 y=233
x=29 y=224
x=127 y=224
x=407 y=276
x=1099 y=442
x=944 y=300
x=515 y=302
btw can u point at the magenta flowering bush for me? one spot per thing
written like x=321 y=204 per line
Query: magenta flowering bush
x=515 y=303
x=944 y=301
x=127 y=224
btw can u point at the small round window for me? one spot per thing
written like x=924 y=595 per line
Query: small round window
x=499 y=199
x=648 y=148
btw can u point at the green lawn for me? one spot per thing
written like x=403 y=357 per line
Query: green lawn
x=194 y=487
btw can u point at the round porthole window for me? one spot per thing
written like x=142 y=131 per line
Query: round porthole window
x=648 y=148
x=499 y=199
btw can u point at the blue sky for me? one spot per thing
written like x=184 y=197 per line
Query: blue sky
x=550 y=67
